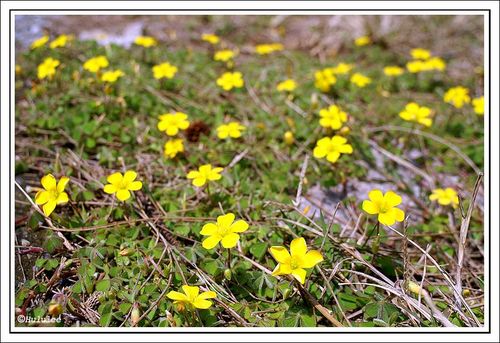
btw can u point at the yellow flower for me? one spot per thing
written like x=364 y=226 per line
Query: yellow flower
x=173 y=147
x=53 y=193
x=171 y=123
x=415 y=66
x=60 y=41
x=112 y=75
x=457 y=96
x=332 y=117
x=393 y=71
x=385 y=206
x=478 y=104
x=360 y=80
x=47 y=68
x=265 y=49
x=19 y=70
x=94 y=64
x=288 y=138
x=224 y=231
x=224 y=55
x=435 y=63
x=232 y=130
x=416 y=113
x=324 y=79
x=362 y=41
x=122 y=184
x=445 y=197
x=288 y=85
x=39 y=42
x=297 y=261
x=203 y=174
x=230 y=80
x=211 y=38
x=192 y=298
x=332 y=148
x=420 y=54
x=145 y=41
x=342 y=68
x=164 y=70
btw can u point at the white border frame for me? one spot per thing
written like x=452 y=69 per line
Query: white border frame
x=172 y=8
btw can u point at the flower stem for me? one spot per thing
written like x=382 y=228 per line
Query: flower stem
x=228 y=258
x=193 y=314
x=75 y=208
x=369 y=235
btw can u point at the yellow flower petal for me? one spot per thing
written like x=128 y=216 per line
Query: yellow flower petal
x=239 y=226
x=49 y=182
x=110 y=189
x=172 y=130
x=123 y=194
x=135 y=186
x=162 y=125
x=406 y=115
x=62 y=198
x=199 y=181
x=41 y=197
x=280 y=254
x=222 y=132
x=425 y=121
x=299 y=274
x=191 y=291
x=444 y=201
x=369 y=207
x=376 y=195
x=115 y=178
x=333 y=156
x=345 y=149
x=298 y=247
x=208 y=229
x=129 y=176
x=177 y=296
x=324 y=142
x=225 y=220
x=399 y=214
x=62 y=184
x=387 y=218
x=319 y=152
x=282 y=269
x=211 y=242
x=214 y=176
x=338 y=140
x=392 y=199
x=207 y=295
x=193 y=174
x=230 y=240
x=312 y=258
x=49 y=207
x=202 y=303
x=434 y=196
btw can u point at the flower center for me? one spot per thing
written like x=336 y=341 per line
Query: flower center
x=122 y=185
x=331 y=148
x=223 y=230
x=295 y=262
x=383 y=207
x=53 y=194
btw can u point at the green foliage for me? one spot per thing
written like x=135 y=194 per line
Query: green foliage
x=120 y=258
